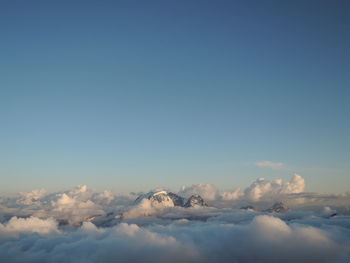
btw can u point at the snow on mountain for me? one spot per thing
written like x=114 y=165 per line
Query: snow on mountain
x=169 y=199
x=163 y=198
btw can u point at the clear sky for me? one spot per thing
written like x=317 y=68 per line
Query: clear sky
x=131 y=95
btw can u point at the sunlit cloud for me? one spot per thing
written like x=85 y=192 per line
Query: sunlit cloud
x=269 y=164
x=238 y=225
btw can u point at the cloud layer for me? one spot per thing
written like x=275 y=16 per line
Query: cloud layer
x=262 y=239
x=83 y=225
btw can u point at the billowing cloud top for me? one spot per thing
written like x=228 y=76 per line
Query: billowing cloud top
x=262 y=188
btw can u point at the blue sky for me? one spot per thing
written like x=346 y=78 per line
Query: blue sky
x=131 y=95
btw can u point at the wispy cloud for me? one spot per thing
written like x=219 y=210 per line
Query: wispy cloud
x=269 y=164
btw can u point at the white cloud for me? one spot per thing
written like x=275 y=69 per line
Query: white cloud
x=231 y=196
x=76 y=205
x=262 y=239
x=309 y=232
x=269 y=164
x=263 y=188
x=32 y=197
x=143 y=209
x=16 y=226
x=207 y=191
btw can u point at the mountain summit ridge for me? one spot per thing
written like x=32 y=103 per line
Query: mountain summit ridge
x=170 y=199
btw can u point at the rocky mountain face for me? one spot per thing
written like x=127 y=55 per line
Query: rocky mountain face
x=170 y=199
x=278 y=207
x=195 y=201
x=178 y=200
x=250 y=207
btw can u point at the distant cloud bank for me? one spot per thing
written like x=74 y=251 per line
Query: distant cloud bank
x=83 y=225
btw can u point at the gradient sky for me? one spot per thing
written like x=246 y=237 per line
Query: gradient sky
x=131 y=95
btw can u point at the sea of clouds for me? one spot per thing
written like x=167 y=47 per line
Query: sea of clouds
x=84 y=225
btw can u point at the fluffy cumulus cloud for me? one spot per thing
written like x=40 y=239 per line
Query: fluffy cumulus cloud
x=16 y=226
x=83 y=225
x=76 y=205
x=68 y=207
x=232 y=195
x=32 y=197
x=260 y=190
x=263 y=188
x=143 y=209
x=207 y=191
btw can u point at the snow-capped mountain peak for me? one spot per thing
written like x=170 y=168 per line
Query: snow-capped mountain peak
x=162 y=198
x=169 y=199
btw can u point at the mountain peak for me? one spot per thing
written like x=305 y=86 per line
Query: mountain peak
x=169 y=199
x=278 y=207
x=195 y=201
